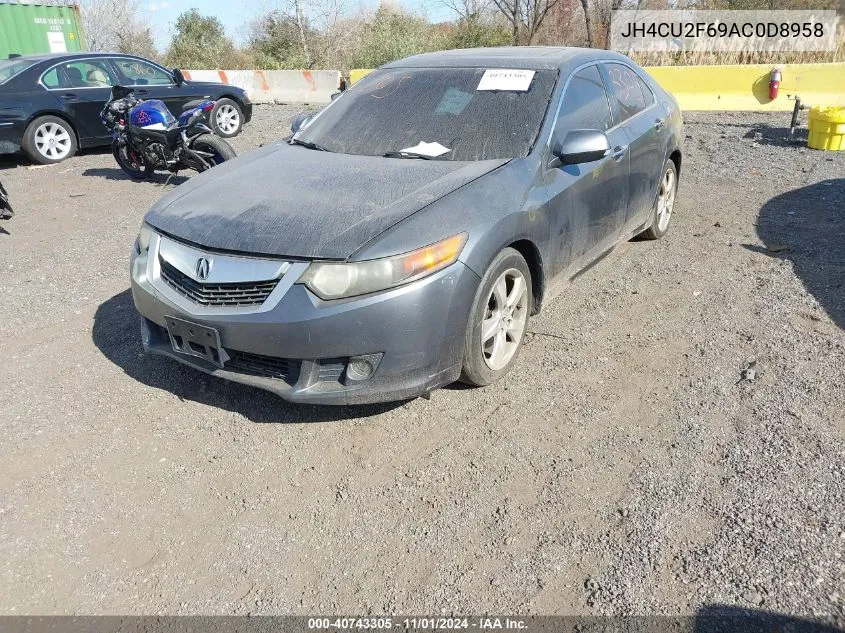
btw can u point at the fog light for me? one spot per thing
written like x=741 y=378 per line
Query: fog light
x=146 y=335
x=362 y=367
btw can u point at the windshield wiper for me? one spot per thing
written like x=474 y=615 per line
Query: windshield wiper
x=308 y=144
x=412 y=155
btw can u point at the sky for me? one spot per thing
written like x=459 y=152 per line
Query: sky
x=237 y=14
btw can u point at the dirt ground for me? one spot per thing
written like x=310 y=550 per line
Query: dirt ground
x=630 y=464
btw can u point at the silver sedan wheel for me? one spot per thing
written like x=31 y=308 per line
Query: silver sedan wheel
x=665 y=200
x=505 y=319
x=228 y=119
x=52 y=141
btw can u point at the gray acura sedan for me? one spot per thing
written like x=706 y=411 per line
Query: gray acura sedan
x=403 y=236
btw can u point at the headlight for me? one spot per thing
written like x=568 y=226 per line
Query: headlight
x=144 y=237
x=334 y=280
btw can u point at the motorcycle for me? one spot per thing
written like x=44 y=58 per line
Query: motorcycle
x=147 y=137
x=5 y=208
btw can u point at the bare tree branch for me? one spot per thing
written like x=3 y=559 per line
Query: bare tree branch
x=587 y=23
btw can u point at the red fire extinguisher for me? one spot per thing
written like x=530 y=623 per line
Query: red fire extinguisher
x=774 y=83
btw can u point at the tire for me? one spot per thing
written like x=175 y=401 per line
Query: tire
x=227 y=118
x=49 y=140
x=135 y=169
x=213 y=145
x=486 y=361
x=664 y=203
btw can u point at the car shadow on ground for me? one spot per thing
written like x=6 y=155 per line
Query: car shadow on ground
x=807 y=227
x=12 y=161
x=116 y=333
x=116 y=173
x=718 y=618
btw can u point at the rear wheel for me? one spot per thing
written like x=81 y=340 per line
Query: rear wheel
x=664 y=204
x=48 y=140
x=498 y=320
x=218 y=149
x=130 y=161
x=227 y=118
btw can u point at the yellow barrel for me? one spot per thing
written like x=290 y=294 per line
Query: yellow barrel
x=827 y=128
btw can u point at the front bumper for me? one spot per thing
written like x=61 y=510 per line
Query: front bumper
x=299 y=347
x=247 y=111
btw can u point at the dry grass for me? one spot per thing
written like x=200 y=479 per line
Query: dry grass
x=702 y=58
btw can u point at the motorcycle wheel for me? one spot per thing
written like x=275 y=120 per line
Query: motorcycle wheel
x=135 y=167
x=220 y=150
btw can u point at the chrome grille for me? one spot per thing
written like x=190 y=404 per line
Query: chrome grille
x=249 y=293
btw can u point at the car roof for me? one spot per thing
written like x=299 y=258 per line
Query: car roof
x=522 y=57
x=41 y=57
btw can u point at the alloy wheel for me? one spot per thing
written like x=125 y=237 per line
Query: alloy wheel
x=665 y=200
x=52 y=141
x=505 y=319
x=227 y=119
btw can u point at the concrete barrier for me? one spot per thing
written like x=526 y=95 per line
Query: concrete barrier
x=276 y=86
x=741 y=87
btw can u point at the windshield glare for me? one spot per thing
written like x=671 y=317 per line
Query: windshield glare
x=11 y=67
x=396 y=109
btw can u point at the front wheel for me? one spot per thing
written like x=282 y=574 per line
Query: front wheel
x=130 y=161
x=498 y=319
x=213 y=151
x=227 y=119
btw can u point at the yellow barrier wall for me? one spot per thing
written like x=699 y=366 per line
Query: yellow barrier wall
x=747 y=87
x=358 y=73
x=744 y=87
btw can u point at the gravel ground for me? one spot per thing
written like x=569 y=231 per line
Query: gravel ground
x=671 y=439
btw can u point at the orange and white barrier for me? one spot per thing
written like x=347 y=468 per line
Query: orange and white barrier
x=276 y=86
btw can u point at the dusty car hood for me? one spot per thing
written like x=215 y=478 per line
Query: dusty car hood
x=295 y=202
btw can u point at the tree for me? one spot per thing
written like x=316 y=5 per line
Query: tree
x=525 y=17
x=201 y=42
x=393 y=34
x=276 y=42
x=587 y=23
x=475 y=31
x=113 y=26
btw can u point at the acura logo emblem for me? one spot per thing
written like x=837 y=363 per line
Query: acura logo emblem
x=203 y=268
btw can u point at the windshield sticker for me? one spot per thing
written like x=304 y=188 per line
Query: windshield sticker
x=426 y=149
x=453 y=102
x=508 y=79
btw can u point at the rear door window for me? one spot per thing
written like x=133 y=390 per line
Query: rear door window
x=51 y=78
x=631 y=93
x=89 y=73
x=585 y=104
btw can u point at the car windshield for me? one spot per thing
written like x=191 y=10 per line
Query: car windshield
x=11 y=67
x=445 y=113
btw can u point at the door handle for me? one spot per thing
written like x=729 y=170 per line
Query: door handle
x=70 y=96
x=619 y=152
x=143 y=92
x=658 y=124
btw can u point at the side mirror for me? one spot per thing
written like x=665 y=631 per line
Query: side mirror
x=299 y=121
x=335 y=95
x=580 y=146
x=178 y=76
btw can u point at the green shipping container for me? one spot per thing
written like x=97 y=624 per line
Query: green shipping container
x=40 y=28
